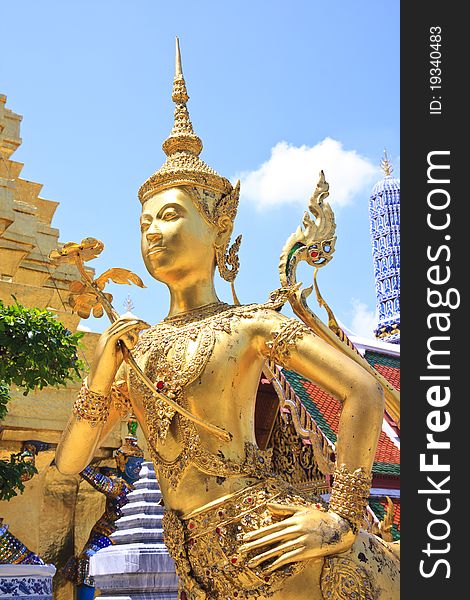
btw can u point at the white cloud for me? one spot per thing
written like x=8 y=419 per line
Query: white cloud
x=364 y=321
x=291 y=173
x=83 y=328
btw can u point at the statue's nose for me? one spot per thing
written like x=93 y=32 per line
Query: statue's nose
x=154 y=236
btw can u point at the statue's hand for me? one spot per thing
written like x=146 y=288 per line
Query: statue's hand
x=302 y=534
x=109 y=353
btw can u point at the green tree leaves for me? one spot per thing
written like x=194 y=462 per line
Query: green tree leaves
x=12 y=475
x=36 y=350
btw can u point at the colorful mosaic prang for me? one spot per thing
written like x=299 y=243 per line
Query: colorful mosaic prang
x=384 y=214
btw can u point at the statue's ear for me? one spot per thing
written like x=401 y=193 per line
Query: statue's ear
x=225 y=228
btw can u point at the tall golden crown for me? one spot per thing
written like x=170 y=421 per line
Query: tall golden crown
x=182 y=147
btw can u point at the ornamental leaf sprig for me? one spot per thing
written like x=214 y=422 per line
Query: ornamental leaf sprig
x=87 y=295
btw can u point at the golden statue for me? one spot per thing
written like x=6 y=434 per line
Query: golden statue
x=234 y=527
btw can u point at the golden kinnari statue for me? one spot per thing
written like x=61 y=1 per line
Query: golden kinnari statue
x=233 y=526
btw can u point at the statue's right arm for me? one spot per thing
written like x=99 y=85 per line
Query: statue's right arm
x=81 y=438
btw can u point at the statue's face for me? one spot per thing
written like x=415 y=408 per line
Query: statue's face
x=177 y=243
x=129 y=466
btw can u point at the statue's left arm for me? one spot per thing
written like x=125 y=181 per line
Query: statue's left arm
x=312 y=533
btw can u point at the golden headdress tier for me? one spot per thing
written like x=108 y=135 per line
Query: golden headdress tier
x=182 y=147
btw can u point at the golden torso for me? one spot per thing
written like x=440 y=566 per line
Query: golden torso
x=209 y=361
x=217 y=358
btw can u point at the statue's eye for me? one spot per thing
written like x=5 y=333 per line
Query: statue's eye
x=144 y=225
x=170 y=214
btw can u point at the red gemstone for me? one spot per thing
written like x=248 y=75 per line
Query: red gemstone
x=221 y=514
x=160 y=385
x=234 y=560
x=249 y=499
x=191 y=526
x=266 y=578
x=314 y=254
x=218 y=530
x=183 y=596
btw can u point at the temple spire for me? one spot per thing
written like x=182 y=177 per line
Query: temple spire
x=384 y=212
x=386 y=165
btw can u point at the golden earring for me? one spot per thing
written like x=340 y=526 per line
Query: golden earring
x=228 y=263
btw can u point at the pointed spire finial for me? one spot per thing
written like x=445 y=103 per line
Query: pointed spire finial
x=182 y=137
x=182 y=148
x=386 y=165
x=178 y=67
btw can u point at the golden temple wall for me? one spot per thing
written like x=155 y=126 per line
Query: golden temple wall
x=55 y=513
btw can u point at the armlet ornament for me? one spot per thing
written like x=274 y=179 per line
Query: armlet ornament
x=120 y=399
x=285 y=338
x=90 y=406
x=349 y=495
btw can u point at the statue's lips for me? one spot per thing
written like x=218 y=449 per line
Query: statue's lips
x=155 y=250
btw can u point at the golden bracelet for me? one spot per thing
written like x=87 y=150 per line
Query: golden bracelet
x=91 y=406
x=349 y=494
x=285 y=339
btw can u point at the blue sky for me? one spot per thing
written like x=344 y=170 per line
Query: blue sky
x=278 y=90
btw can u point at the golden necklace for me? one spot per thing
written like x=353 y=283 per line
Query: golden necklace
x=177 y=351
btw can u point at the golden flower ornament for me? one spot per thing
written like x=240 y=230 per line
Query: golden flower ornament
x=87 y=296
x=86 y=250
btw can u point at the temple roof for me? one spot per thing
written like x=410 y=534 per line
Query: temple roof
x=325 y=410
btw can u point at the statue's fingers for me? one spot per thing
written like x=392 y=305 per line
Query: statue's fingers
x=136 y=324
x=284 y=510
x=120 y=325
x=253 y=535
x=122 y=328
x=286 y=547
x=278 y=536
x=285 y=559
